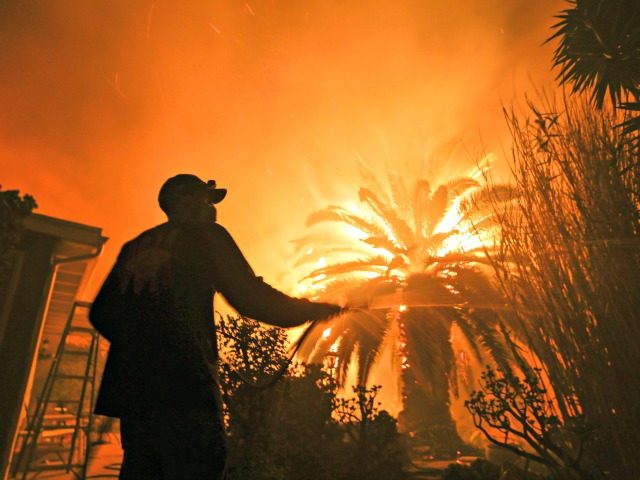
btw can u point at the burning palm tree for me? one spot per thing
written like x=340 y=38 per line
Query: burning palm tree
x=412 y=260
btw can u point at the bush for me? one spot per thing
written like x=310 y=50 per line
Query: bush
x=523 y=412
x=13 y=208
x=483 y=470
x=297 y=428
x=570 y=269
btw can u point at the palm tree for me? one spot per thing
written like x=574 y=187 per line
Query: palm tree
x=412 y=258
x=599 y=51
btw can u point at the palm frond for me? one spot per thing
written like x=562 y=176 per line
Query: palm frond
x=461 y=186
x=599 y=41
x=399 y=193
x=338 y=214
x=371 y=264
x=312 y=240
x=449 y=259
x=389 y=216
x=434 y=242
x=370 y=329
x=384 y=243
x=345 y=352
x=486 y=326
x=437 y=208
x=337 y=288
x=483 y=201
x=319 y=253
x=366 y=293
x=631 y=126
x=312 y=344
x=421 y=195
x=371 y=179
x=465 y=323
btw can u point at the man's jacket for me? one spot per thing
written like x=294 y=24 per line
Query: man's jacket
x=156 y=310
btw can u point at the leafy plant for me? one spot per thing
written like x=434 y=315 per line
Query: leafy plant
x=483 y=470
x=599 y=51
x=411 y=258
x=569 y=266
x=297 y=428
x=13 y=208
x=522 y=410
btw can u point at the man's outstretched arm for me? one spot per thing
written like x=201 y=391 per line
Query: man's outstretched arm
x=250 y=295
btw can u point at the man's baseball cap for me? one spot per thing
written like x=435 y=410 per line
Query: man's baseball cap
x=188 y=183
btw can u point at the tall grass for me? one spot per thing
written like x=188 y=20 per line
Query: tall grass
x=570 y=266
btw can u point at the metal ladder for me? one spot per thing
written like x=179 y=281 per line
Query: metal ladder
x=58 y=436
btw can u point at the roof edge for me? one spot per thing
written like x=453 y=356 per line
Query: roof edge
x=64 y=229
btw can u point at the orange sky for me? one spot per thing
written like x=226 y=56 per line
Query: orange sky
x=102 y=100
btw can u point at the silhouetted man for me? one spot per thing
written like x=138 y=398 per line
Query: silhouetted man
x=156 y=310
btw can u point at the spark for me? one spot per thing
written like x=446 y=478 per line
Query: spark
x=215 y=29
x=149 y=20
x=402 y=308
x=326 y=333
x=249 y=9
x=116 y=85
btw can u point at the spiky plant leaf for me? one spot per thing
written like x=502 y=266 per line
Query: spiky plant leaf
x=421 y=195
x=399 y=194
x=323 y=252
x=384 y=243
x=430 y=245
x=448 y=259
x=438 y=207
x=339 y=214
x=481 y=203
x=631 y=126
x=372 y=264
x=460 y=186
x=599 y=48
x=401 y=231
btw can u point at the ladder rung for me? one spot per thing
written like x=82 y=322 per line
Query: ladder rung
x=66 y=376
x=53 y=466
x=48 y=431
x=82 y=329
x=56 y=432
x=76 y=352
x=51 y=431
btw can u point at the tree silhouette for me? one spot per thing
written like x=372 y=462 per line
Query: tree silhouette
x=599 y=51
x=412 y=259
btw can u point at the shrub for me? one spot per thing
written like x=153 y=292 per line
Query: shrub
x=13 y=208
x=570 y=268
x=297 y=427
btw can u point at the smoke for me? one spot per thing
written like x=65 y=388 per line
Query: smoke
x=276 y=100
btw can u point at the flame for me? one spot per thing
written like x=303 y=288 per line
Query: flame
x=462 y=238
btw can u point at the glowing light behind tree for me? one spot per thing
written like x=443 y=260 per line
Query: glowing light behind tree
x=395 y=231
x=402 y=246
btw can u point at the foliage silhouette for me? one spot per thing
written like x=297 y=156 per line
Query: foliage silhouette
x=13 y=208
x=415 y=266
x=569 y=267
x=293 y=429
x=599 y=52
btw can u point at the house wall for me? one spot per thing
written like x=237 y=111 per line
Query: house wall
x=21 y=334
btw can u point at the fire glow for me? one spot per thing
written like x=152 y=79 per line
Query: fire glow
x=369 y=241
